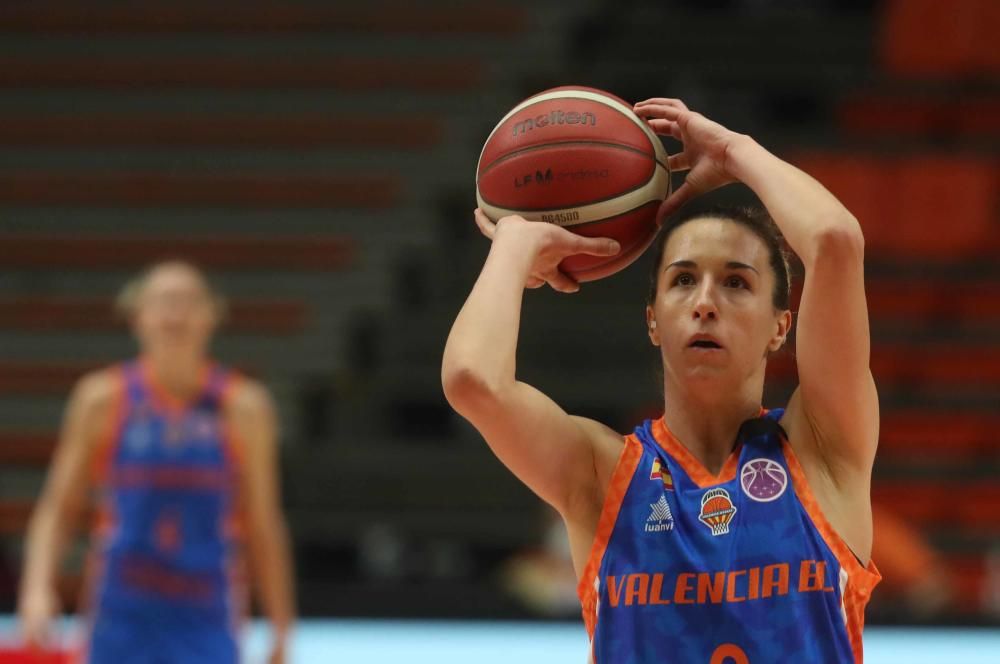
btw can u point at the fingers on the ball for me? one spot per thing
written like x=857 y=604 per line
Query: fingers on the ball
x=597 y=246
x=534 y=282
x=562 y=283
x=661 y=127
x=678 y=162
x=658 y=112
x=661 y=108
x=667 y=128
x=486 y=226
x=663 y=101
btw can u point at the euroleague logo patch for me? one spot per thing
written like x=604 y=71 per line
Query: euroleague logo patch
x=763 y=480
x=717 y=511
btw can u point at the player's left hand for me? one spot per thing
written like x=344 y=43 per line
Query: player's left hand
x=706 y=144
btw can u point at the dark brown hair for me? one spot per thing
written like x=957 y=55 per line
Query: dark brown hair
x=757 y=220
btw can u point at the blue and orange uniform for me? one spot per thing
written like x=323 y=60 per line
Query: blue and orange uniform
x=741 y=568
x=165 y=573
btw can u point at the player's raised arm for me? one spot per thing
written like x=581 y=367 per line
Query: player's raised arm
x=836 y=391
x=836 y=398
x=547 y=449
x=88 y=415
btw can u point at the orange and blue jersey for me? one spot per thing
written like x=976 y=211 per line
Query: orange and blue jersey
x=739 y=568
x=164 y=575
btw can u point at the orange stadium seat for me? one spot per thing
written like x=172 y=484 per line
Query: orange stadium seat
x=26 y=448
x=970 y=579
x=41 y=378
x=930 y=38
x=79 y=313
x=916 y=365
x=944 y=206
x=225 y=72
x=243 y=252
x=935 y=207
x=953 y=504
x=941 y=299
x=186 y=16
x=939 y=364
x=879 y=115
x=944 y=434
x=979 y=118
x=902 y=552
x=163 y=189
x=25 y=378
x=915 y=300
x=402 y=131
x=857 y=179
x=14 y=515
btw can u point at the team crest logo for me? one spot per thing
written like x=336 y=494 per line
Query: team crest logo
x=763 y=480
x=661 y=472
x=717 y=511
x=660 y=519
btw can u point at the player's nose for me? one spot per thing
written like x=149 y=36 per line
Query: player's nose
x=704 y=307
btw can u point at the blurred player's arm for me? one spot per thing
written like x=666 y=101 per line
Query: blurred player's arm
x=550 y=451
x=88 y=417
x=251 y=412
x=836 y=393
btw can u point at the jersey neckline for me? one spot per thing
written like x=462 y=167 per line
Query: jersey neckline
x=700 y=475
x=166 y=401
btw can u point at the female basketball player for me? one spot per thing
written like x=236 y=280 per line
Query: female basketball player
x=721 y=533
x=181 y=456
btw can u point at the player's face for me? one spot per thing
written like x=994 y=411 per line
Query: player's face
x=714 y=313
x=175 y=312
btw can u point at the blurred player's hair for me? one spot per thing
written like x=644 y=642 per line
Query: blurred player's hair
x=127 y=300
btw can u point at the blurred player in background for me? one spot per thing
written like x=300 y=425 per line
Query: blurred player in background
x=179 y=456
x=720 y=533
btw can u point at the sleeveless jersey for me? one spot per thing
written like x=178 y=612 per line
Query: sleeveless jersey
x=736 y=569
x=165 y=554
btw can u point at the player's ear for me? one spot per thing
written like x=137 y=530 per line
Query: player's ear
x=654 y=334
x=783 y=326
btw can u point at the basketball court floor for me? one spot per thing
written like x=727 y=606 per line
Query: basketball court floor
x=446 y=642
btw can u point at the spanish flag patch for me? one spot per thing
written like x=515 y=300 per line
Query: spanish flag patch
x=661 y=472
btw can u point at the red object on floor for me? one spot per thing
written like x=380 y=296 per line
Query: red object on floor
x=25 y=656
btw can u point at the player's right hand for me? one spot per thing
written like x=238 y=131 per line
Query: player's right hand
x=36 y=610
x=548 y=245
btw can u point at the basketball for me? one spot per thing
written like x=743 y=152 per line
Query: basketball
x=580 y=158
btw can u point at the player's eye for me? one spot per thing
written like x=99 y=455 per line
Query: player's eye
x=684 y=279
x=735 y=282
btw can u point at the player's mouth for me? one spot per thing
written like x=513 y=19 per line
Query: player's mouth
x=704 y=342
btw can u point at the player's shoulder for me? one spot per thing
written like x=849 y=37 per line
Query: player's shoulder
x=99 y=389
x=246 y=396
